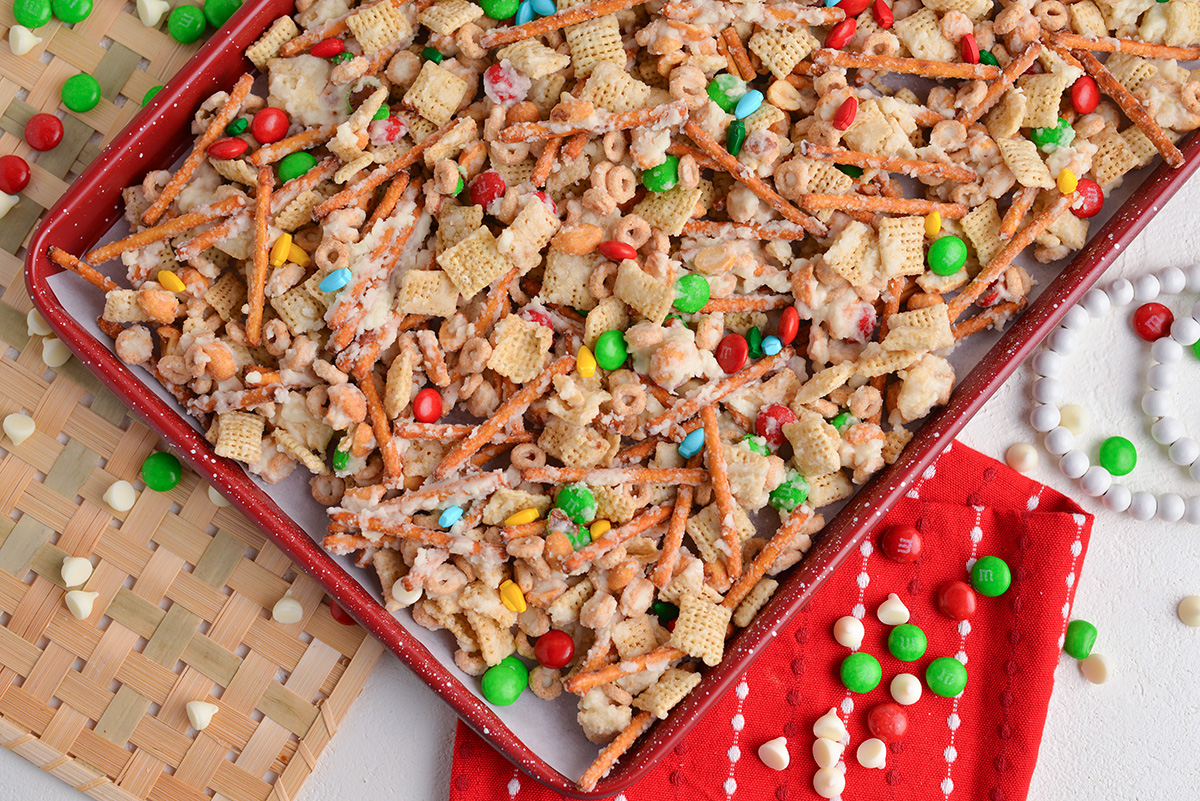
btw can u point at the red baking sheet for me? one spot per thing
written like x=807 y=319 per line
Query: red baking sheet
x=160 y=134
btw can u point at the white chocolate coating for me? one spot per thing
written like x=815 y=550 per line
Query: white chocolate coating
x=35 y=323
x=826 y=752
x=200 y=714
x=830 y=726
x=1094 y=668
x=19 y=427
x=774 y=754
x=849 y=631
x=403 y=596
x=1189 y=611
x=287 y=610
x=22 y=40
x=76 y=570
x=829 y=782
x=1022 y=457
x=872 y=753
x=892 y=612
x=217 y=498
x=1074 y=418
x=905 y=689
x=120 y=496
x=54 y=352
x=8 y=203
x=81 y=603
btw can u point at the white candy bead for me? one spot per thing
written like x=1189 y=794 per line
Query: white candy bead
x=872 y=753
x=905 y=689
x=1047 y=362
x=1059 y=440
x=1191 y=510
x=774 y=754
x=1189 y=611
x=1146 y=288
x=1192 y=273
x=1170 y=508
x=19 y=427
x=1120 y=292
x=200 y=714
x=1074 y=464
x=1117 y=498
x=830 y=726
x=1062 y=341
x=1166 y=350
x=1194 y=471
x=120 y=496
x=1075 y=319
x=75 y=571
x=849 y=631
x=892 y=612
x=1156 y=403
x=81 y=603
x=1196 y=310
x=1047 y=390
x=404 y=596
x=21 y=40
x=1074 y=418
x=1184 y=451
x=1161 y=376
x=1185 y=330
x=1096 y=481
x=287 y=610
x=54 y=353
x=1167 y=430
x=36 y=325
x=1096 y=302
x=1022 y=457
x=1094 y=668
x=829 y=783
x=1172 y=280
x=217 y=498
x=1043 y=418
x=1142 y=506
x=826 y=752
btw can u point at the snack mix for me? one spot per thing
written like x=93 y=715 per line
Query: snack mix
x=554 y=306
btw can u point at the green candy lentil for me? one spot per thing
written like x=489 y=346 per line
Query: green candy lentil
x=341 y=458
x=850 y=169
x=907 y=643
x=382 y=113
x=756 y=444
x=990 y=576
x=691 y=293
x=186 y=24
x=32 y=13
x=947 y=255
x=1196 y=348
x=237 y=126
x=1061 y=135
x=578 y=502
x=791 y=493
x=843 y=421
x=754 y=339
x=946 y=677
x=861 y=672
x=1118 y=456
x=610 y=350
x=663 y=177
x=293 y=165
x=432 y=54
x=499 y=9
x=725 y=89
x=71 y=11
x=460 y=186
x=735 y=137
x=150 y=93
x=218 y=12
x=161 y=471
x=503 y=684
x=342 y=58
x=664 y=611
x=80 y=93
x=986 y=57
x=1081 y=636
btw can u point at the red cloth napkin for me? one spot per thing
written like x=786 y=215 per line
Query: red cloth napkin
x=981 y=746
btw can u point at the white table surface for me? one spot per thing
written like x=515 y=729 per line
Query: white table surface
x=1133 y=737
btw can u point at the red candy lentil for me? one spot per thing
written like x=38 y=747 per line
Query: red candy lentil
x=901 y=544
x=554 y=649
x=230 y=147
x=427 y=406
x=1085 y=95
x=327 y=48
x=340 y=615
x=841 y=34
x=853 y=7
x=883 y=14
x=888 y=722
x=771 y=421
x=1152 y=321
x=969 y=49
x=43 y=131
x=616 y=251
x=843 y=118
x=269 y=125
x=956 y=600
x=732 y=353
x=14 y=174
x=789 y=325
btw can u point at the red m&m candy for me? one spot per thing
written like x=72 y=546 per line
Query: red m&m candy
x=888 y=722
x=616 y=251
x=1089 y=199
x=732 y=353
x=427 y=406
x=956 y=600
x=771 y=421
x=269 y=125
x=487 y=187
x=1152 y=321
x=901 y=544
x=43 y=131
x=1085 y=95
x=554 y=649
x=789 y=325
x=14 y=174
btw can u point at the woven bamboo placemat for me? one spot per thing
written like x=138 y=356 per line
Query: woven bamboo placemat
x=186 y=587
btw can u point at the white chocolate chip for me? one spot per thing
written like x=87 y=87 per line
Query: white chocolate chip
x=217 y=498
x=1074 y=418
x=1188 y=609
x=1022 y=457
x=287 y=610
x=21 y=40
x=905 y=689
x=76 y=570
x=151 y=12
x=19 y=427
x=36 y=325
x=830 y=726
x=120 y=496
x=826 y=752
x=892 y=612
x=8 y=202
x=849 y=631
x=829 y=782
x=54 y=353
x=872 y=753
x=405 y=597
x=200 y=714
x=1094 y=668
x=80 y=603
x=774 y=754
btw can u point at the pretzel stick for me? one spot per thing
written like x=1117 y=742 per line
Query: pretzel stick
x=1015 y=69
x=987 y=318
x=1132 y=107
x=767 y=556
x=911 y=167
x=454 y=458
x=498 y=37
x=616 y=536
x=216 y=129
x=171 y=228
x=268 y=154
x=614 y=750
x=779 y=14
x=497 y=297
x=715 y=456
x=730 y=65
x=1001 y=261
x=669 y=114
x=738 y=54
x=1021 y=203
x=766 y=232
x=410 y=429
x=393 y=533
x=1111 y=44
x=668 y=558
x=545 y=162
x=393 y=466
x=256 y=287
x=703 y=161
x=387 y=204
x=536 y=528
x=85 y=271
x=909 y=66
x=615 y=476
x=731 y=165
x=239 y=401
x=892 y=205
x=580 y=683
x=747 y=303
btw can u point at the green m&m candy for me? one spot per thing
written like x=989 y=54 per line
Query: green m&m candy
x=31 y=13
x=990 y=576
x=1118 y=456
x=907 y=643
x=71 y=11
x=150 y=93
x=691 y=293
x=662 y=177
x=1061 y=135
x=756 y=444
x=218 y=12
x=610 y=350
x=1081 y=636
x=725 y=89
x=664 y=611
x=578 y=502
x=499 y=9
x=946 y=677
x=947 y=255
x=161 y=471
x=791 y=493
x=186 y=24
x=735 y=137
x=754 y=339
x=80 y=93
x=861 y=672
x=503 y=684
x=842 y=421
x=293 y=165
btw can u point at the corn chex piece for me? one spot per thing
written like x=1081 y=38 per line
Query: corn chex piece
x=823 y=382
x=643 y=293
x=299 y=310
x=668 y=210
x=766 y=116
x=635 y=636
x=876 y=361
x=755 y=600
x=463 y=133
x=527 y=236
x=815 y=443
x=518 y=174
x=565 y=608
x=783 y=48
x=506 y=502
x=237 y=170
x=1140 y=145
x=381 y=25
x=1113 y=158
x=571 y=444
x=419 y=128
x=982 y=227
x=495 y=641
x=397 y=389
x=435 y=94
x=669 y=690
x=920 y=329
x=1131 y=71
x=565 y=280
x=607 y=315
x=226 y=296
x=748 y=473
x=700 y=629
x=289 y=444
x=447 y=16
x=894 y=442
x=884 y=126
x=1043 y=95
x=299 y=212
x=1183 y=24
x=1086 y=19
x=610 y=87
x=456 y=223
x=240 y=436
x=594 y=41
x=1006 y=119
x=901 y=246
x=826 y=179
x=545 y=92
x=353 y=167
x=829 y=488
x=474 y=262
x=614 y=504
x=852 y=254
x=566 y=176
x=1069 y=229
x=484 y=599
x=282 y=31
x=389 y=566
x=705 y=530
x=427 y=292
x=975 y=9
x=1021 y=156
x=121 y=306
x=533 y=58
x=521 y=349
x=921 y=33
